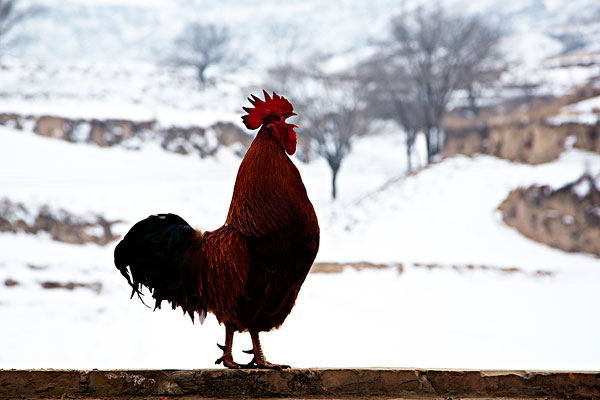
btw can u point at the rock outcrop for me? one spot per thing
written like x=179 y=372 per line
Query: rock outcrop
x=61 y=225
x=567 y=218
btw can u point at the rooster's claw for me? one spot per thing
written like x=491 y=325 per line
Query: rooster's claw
x=263 y=364
x=228 y=362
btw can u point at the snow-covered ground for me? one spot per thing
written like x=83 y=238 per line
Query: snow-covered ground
x=418 y=317
x=95 y=59
x=131 y=90
x=583 y=112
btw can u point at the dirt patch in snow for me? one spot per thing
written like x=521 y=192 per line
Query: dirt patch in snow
x=93 y=286
x=471 y=267
x=335 y=267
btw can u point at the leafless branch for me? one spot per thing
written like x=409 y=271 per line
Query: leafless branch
x=432 y=54
x=201 y=46
x=332 y=110
x=11 y=16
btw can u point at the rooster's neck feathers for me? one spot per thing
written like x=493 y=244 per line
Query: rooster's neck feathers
x=267 y=184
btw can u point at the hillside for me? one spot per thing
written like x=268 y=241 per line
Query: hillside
x=482 y=285
x=134 y=29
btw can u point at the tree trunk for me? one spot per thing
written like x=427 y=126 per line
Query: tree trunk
x=334 y=173
x=408 y=158
x=201 y=78
x=440 y=140
x=429 y=144
x=473 y=107
x=437 y=140
x=410 y=141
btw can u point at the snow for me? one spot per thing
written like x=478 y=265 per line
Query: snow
x=145 y=30
x=453 y=205
x=417 y=317
x=570 y=118
x=541 y=316
x=583 y=112
x=530 y=47
x=70 y=28
x=131 y=90
x=583 y=188
x=588 y=105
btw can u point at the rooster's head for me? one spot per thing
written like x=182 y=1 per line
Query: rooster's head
x=271 y=113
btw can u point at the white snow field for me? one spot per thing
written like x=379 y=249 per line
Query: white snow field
x=414 y=317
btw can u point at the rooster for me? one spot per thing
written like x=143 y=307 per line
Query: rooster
x=249 y=271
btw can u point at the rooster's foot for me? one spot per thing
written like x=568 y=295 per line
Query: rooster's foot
x=227 y=358
x=263 y=364
x=228 y=362
x=259 y=361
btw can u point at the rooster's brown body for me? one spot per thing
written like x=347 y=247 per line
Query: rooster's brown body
x=249 y=271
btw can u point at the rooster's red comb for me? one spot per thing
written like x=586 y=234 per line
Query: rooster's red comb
x=262 y=108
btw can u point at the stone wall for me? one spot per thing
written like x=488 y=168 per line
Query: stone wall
x=110 y=132
x=61 y=225
x=326 y=383
x=532 y=143
x=10 y=120
x=567 y=218
x=518 y=129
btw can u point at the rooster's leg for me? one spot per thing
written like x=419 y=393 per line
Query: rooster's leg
x=227 y=358
x=259 y=360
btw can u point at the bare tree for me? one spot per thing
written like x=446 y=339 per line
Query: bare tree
x=332 y=108
x=10 y=16
x=391 y=94
x=334 y=122
x=483 y=62
x=288 y=41
x=432 y=54
x=201 y=46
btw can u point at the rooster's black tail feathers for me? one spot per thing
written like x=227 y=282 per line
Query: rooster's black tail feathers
x=154 y=249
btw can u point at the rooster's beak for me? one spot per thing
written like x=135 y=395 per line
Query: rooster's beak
x=291 y=115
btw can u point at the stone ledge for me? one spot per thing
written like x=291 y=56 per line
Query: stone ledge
x=298 y=383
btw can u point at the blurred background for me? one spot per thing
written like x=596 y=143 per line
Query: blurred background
x=451 y=150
